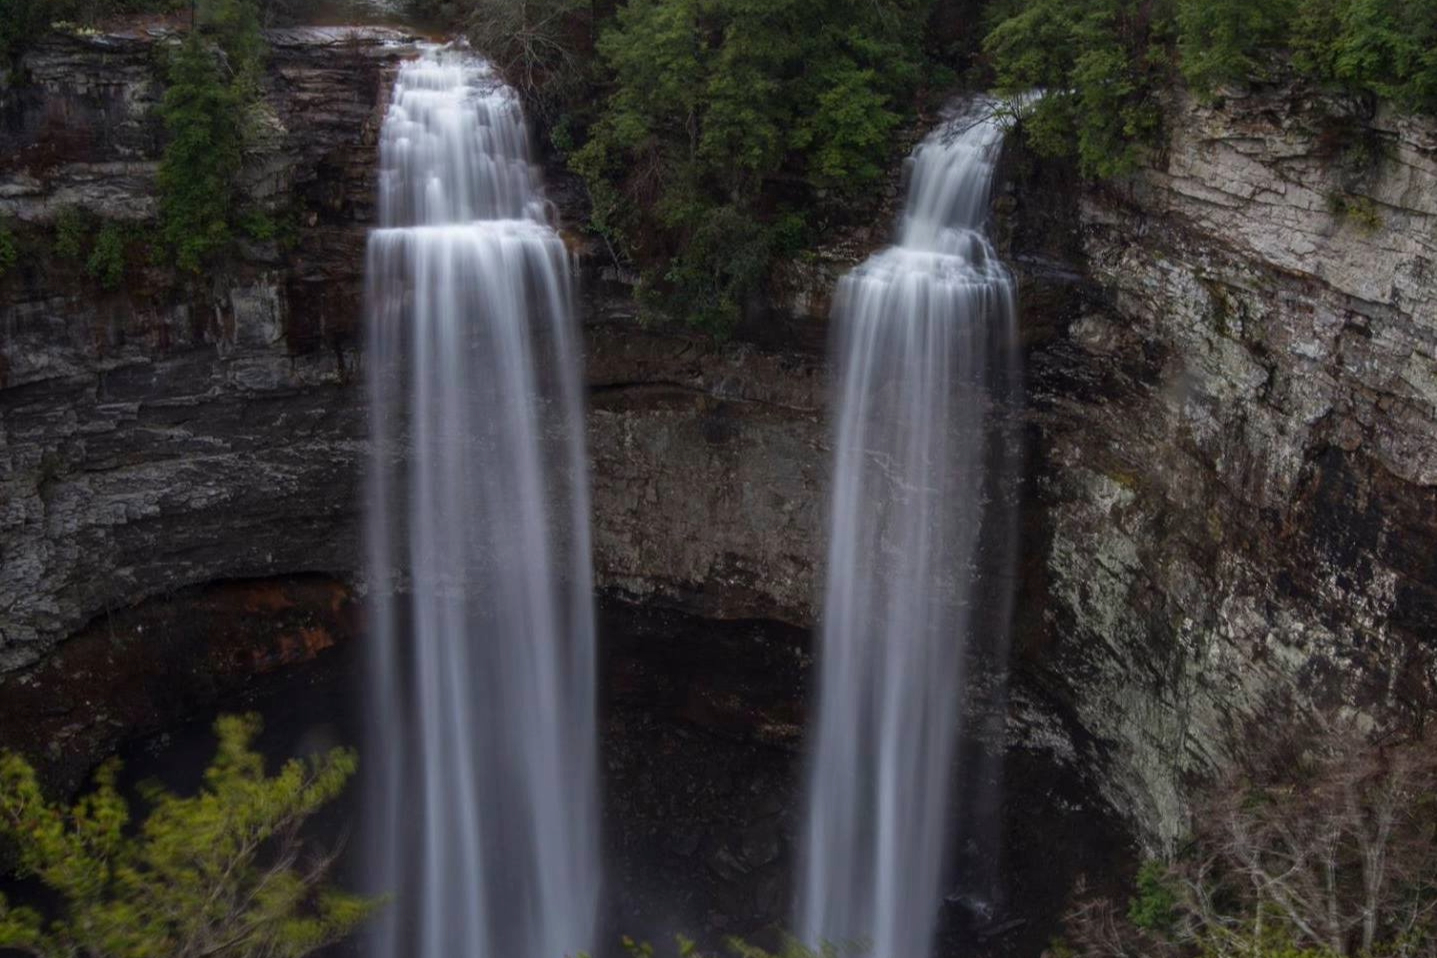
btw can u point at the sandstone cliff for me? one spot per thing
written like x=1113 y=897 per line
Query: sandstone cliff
x=1232 y=401
x=1238 y=414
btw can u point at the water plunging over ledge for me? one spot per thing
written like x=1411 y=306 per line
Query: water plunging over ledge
x=924 y=350
x=482 y=711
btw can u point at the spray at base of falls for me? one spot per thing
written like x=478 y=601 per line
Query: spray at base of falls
x=481 y=704
x=925 y=351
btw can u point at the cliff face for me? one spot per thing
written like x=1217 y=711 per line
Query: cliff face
x=709 y=466
x=1232 y=401
x=183 y=429
x=189 y=429
x=1237 y=398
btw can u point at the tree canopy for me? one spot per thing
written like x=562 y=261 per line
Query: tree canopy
x=1107 y=64
x=222 y=873
x=724 y=121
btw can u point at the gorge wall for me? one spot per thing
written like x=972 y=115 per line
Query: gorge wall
x=1233 y=410
x=1235 y=394
x=185 y=429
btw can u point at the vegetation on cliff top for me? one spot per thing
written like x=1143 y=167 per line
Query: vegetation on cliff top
x=726 y=121
x=213 y=82
x=221 y=873
x=1107 y=64
x=712 y=135
x=22 y=21
x=718 y=136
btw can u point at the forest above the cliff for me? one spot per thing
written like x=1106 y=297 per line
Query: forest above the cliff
x=717 y=138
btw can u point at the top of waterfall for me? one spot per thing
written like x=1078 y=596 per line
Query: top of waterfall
x=454 y=147
x=950 y=178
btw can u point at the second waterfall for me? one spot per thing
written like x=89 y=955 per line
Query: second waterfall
x=482 y=695
x=926 y=379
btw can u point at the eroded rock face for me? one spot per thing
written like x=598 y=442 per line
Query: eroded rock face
x=709 y=465
x=1230 y=360
x=186 y=428
x=1238 y=409
x=189 y=429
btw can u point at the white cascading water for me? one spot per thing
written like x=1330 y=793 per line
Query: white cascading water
x=482 y=699
x=925 y=365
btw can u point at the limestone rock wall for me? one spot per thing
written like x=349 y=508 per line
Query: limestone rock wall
x=184 y=430
x=1236 y=392
x=1232 y=368
x=181 y=429
x=709 y=465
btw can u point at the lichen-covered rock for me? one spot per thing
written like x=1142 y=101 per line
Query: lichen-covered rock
x=1239 y=439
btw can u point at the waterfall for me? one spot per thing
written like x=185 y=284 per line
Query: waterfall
x=481 y=704
x=924 y=357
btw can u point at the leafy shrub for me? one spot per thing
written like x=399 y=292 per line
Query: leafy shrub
x=259 y=226
x=9 y=249
x=281 y=227
x=72 y=233
x=1155 y=902
x=1361 y=211
x=215 y=874
x=106 y=263
x=102 y=251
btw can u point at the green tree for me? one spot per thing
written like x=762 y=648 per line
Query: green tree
x=1103 y=66
x=220 y=873
x=215 y=80
x=725 y=117
x=203 y=114
x=235 y=27
x=1226 y=40
x=1390 y=48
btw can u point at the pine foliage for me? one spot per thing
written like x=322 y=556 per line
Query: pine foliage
x=222 y=873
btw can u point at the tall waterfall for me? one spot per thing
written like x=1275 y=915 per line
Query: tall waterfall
x=924 y=349
x=482 y=699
